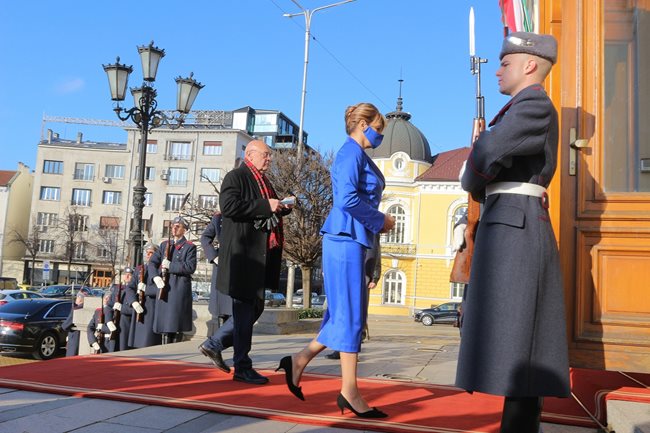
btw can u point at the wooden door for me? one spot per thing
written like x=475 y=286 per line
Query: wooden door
x=603 y=183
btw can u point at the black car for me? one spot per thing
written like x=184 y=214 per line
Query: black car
x=443 y=313
x=34 y=326
x=64 y=291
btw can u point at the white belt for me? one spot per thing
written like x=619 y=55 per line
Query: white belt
x=522 y=188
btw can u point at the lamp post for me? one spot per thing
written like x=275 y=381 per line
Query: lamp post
x=308 y=14
x=146 y=116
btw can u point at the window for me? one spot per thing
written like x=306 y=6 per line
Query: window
x=173 y=202
x=60 y=311
x=79 y=250
x=103 y=252
x=146 y=225
x=180 y=150
x=114 y=171
x=80 y=197
x=457 y=290
x=396 y=235
x=46 y=246
x=112 y=197
x=50 y=193
x=266 y=123
x=210 y=174
x=52 y=167
x=393 y=287
x=398 y=164
x=148 y=199
x=212 y=147
x=44 y=219
x=166 y=224
x=149 y=173
x=79 y=223
x=109 y=223
x=208 y=201
x=152 y=146
x=83 y=171
x=177 y=177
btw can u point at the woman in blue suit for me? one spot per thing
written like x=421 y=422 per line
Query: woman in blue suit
x=348 y=233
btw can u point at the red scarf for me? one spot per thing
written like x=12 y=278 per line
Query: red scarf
x=276 y=239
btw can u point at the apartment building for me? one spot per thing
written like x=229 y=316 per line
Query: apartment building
x=83 y=212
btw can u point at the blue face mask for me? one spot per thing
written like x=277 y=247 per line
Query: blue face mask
x=373 y=137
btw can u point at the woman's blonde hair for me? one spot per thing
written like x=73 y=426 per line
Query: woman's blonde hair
x=362 y=111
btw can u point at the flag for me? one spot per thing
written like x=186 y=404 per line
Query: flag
x=518 y=15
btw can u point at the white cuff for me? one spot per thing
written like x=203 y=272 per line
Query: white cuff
x=117 y=306
x=159 y=282
x=95 y=346
x=111 y=326
x=137 y=307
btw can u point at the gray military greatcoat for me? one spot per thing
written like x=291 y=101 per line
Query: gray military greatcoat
x=175 y=314
x=141 y=333
x=514 y=333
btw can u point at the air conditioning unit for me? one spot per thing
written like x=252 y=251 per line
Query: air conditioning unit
x=106 y=179
x=164 y=175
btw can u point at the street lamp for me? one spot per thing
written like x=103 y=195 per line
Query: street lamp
x=308 y=14
x=145 y=115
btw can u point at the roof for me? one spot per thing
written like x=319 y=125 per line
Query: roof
x=446 y=166
x=6 y=176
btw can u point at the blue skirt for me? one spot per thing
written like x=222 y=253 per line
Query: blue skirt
x=345 y=289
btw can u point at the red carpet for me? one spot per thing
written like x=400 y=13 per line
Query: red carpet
x=413 y=407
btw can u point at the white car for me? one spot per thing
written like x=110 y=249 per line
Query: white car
x=14 y=295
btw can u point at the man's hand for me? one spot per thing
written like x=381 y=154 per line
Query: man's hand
x=166 y=263
x=372 y=285
x=137 y=307
x=96 y=347
x=216 y=260
x=159 y=282
x=142 y=287
x=458 y=238
x=389 y=223
x=117 y=306
x=275 y=204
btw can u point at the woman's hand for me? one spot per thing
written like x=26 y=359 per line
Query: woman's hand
x=389 y=223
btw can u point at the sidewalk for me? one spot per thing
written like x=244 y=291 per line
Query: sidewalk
x=398 y=348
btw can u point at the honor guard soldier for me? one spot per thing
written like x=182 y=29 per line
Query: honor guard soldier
x=171 y=268
x=123 y=309
x=101 y=327
x=141 y=333
x=514 y=327
x=72 y=346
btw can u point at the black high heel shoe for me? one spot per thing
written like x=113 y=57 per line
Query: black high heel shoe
x=287 y=365
x=342 y=403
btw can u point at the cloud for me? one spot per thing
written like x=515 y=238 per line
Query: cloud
x=72 y=85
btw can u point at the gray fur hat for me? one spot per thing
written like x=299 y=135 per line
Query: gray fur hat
x=544 y=46
x=182 y=221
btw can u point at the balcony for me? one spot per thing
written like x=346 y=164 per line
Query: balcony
x=400 y=249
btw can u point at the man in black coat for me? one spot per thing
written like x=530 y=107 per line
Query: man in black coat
x=514 y=327
x=178 y=261
x=250 y=249
x=220 y=305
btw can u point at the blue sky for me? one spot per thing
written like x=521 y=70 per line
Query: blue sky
x=247 y=53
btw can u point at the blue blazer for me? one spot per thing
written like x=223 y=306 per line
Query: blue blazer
x=357 y=185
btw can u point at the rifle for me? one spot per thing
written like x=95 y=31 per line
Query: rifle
x=141 y=297
x=460 y=272
x=117 y=313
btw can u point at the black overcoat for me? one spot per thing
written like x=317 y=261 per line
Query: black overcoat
x=246 y=265
x=219 y=304
x=141 y=333
x=514 y=331
x=175 y=314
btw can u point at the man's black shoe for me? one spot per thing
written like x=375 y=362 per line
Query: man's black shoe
x=215 y=357
x=250 y=376
x=334 y=355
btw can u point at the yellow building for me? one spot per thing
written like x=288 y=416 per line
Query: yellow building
x=424 y=195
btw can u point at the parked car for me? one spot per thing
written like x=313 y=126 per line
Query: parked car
x=58 y=291
x=297 y=300
x=12 y=295
x=443 y=313
x=318 y=301
x=34 y=326
x=272 y=299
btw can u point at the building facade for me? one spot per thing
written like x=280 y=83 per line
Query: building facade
x=15 y=205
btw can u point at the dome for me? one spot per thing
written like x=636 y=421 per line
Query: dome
x=400 y=135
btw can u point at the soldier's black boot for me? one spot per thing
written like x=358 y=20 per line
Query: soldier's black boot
x=521 y=415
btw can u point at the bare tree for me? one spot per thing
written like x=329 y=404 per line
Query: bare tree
x=312 y=186
x=31 y=242
x=70 y=230
x=108 y=241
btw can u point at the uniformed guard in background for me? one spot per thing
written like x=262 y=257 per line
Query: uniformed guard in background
x=123 y=305
x=514 y=327
x=141 y=333
x=220 y=304
x=72 y=338
x=101 y=326
x=176 y=258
